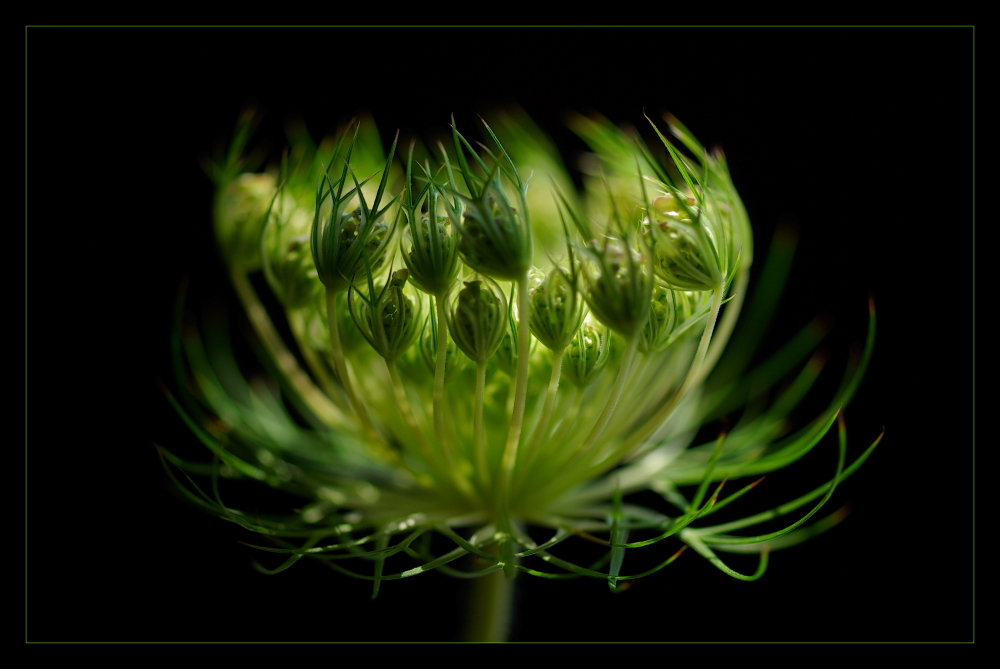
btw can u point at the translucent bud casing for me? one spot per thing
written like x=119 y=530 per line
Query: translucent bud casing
x=660 y=325
x=673 y=313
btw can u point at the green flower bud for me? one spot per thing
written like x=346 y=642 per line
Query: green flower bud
x=684 y=251
x=478 y=319
x=240 y=209
x=556 y=308
x=618 y=285
x=673 y=313
x=430 y=253
x=660 y=325
x=495 y=239
x=586 y=355
x=343 y=245
x=391 y=321
x=288 y=261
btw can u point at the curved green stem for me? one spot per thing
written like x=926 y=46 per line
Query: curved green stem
x=616 y=393
x=693 y=376
x=728 y=321
x=403 y=402
x=340 y=365
x=296 y=319
x=318 y=403
x=550 y=400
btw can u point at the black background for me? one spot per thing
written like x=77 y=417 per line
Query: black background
x=860 y=137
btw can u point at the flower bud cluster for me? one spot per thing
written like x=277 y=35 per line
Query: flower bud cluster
x=435 y=444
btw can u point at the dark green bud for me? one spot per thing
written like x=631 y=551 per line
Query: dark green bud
x=655 y=334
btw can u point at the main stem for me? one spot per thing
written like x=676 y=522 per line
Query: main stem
x=492 y=600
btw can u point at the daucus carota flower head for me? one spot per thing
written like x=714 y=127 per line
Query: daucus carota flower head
x=430 y=410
